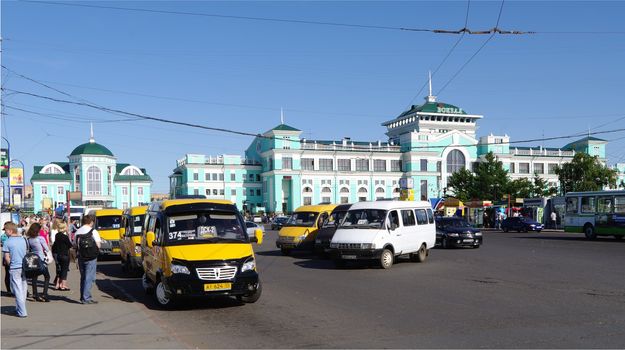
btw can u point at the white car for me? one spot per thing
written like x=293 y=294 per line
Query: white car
x=252 y=226
x=383 y=230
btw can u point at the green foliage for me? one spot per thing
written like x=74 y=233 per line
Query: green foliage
x=585 y=173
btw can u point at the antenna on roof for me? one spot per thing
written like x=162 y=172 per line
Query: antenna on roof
x=281 y=116
x=430 y=97
x=91 y=139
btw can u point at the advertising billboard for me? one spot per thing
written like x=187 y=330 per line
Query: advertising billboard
x=16 y=177
x=4 y=161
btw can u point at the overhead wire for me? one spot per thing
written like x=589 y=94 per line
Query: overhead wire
x=244 y=133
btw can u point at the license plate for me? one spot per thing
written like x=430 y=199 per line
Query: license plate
x=210 y=287
x=115 y=250
x=467 y=240
x=348 y=257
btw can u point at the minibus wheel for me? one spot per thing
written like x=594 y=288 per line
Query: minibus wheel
x=386 y=259
x=253 y=297
x=162 y=297
x=285 y=251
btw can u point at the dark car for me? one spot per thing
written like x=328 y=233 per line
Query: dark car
x=521 y=224
x=278 y=222
x=456 y=232
x=329 y=226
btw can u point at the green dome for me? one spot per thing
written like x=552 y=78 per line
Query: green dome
x=91 y=148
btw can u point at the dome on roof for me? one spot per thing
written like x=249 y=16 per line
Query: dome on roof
x=91 y=148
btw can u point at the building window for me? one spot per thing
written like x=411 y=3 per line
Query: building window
x=196 y=191
x=221 y=177
x=251 y=192
x=77 y=178
x=233 y=177
x=125 y=205
x=308 y=164
x=124 y=191
x=395 y=165
x=524 y=168
x=307 y=200
x=251 y=177
x=362 y=164
x=325 y=165
x=551 y=168
x=196 y=176
x=379 y=165
x=60 y=190
x=512 y=168
x=307 y=190
x=94 y=181
x=326 y=190
x=233 y=192
x=362 y=199
x=424 y=190
x=287 y=163
x=455 y=161
x=214 y=191
x=326 y=200
x=424 y=165
x=110 y=180
x=221 y=192
x=208 y=192
x=214 y=177
x=258 y=177
x=344 y=200
x=207 y=177
x=44 y=190
x=438 y=166
x=344 y=164
x=258 y=192
x=539 y=168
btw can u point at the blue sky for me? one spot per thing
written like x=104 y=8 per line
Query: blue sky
x=331 y=81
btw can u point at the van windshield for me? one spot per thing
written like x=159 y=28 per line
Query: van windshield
x=364 y=218
x=108 y=222
x=335 y=219
x=137 y=225
x=213 y=227
x=302 y=219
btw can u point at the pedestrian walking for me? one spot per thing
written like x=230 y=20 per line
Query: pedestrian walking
x=39 y=246
x=87 y=241
x=60 y=249
x=7 y=275
x=554 y=218
x=14 y=250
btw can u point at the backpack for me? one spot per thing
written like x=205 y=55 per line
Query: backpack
x=87 y=248
x=32 y=265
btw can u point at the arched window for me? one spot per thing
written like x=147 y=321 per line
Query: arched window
x=344 y=190
x=94 y=181
x=379 y=190
x=326 y=190
x=52 y=169
x=455 y=161
x=307 y=190
x=362 y=190
x=131 y=170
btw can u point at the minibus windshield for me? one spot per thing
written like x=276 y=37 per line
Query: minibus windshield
x=137 y=225
x=335 y=219
x=108 y=222
x=213 y=227
x=364 y=218
x=303 y=219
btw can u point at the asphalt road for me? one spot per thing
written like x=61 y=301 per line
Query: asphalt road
x=519 y=290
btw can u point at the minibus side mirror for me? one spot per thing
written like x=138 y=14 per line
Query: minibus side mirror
x=258 y=237
x=150 y=238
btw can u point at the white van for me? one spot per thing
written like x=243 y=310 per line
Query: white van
x=382 y=230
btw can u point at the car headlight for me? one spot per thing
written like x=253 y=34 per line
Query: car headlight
x=179 y=269
x=334 y=245
x=478 y=233
x=137 y=249
x=303 y=237
x=249 y=264
x=366 y=246
x=453 y=235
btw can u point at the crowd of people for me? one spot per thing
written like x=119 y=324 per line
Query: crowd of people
x=36 y=244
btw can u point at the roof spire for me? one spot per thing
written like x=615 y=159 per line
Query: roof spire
x=281 y=116
x=91 y=139
x=430 y=97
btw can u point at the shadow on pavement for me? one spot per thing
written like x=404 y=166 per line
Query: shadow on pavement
x=606 y=239
x=269 y=253
x=186 y=304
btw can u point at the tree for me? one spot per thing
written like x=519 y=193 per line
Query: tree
x=461 y=183
x=541 y=187
x=488 y=181
x=520 y=188
x=585 y=173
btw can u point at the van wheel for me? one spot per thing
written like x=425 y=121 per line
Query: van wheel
x=589 y=231
x=420 y=255
x=386 y=259
x=147 y=284
x=162 y=297
x=285 y=251
x=253 y=297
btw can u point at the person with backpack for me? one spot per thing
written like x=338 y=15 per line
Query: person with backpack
x=14 y=251
x=87 y=242
x=39 y=246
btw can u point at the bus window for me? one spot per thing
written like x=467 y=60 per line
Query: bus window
x=604 y=205
x=588 y=205
x=619 y=205
x=571 y=205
